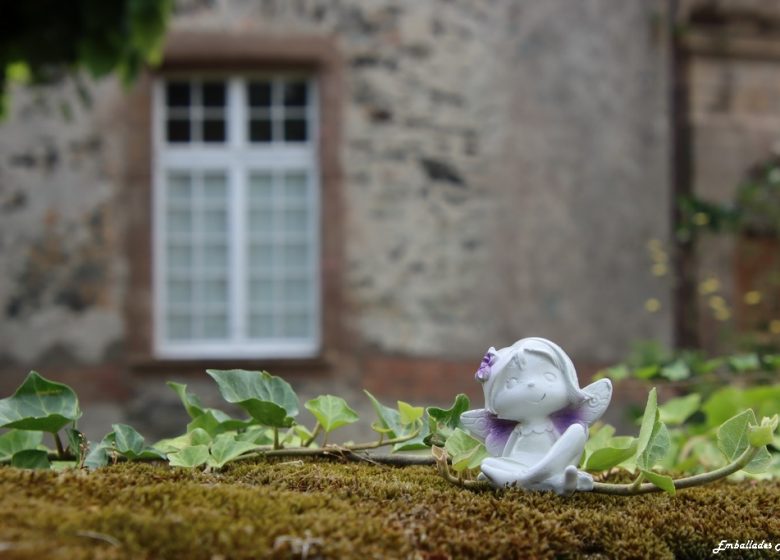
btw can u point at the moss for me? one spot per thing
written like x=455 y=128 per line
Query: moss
x=278 y=508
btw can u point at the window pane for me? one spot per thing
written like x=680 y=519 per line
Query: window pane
x=260 y=130
x=261 y=221
x=295 y=256
x=295 y=185
x=295 y=130
x=296 y=221
x=215 y=188
x=215 y=291
x=179 y=326
x=178 y=94
x=179 y=256
x=260 y=188
x=215 y=256
x=261 y=292
x=179 y=186
x=297 y=291
x=178 y=130
x=297 y=325
x=215 y=221
x=180 y=291
x=215 y=326
x=179 y=221
x=294 y=94
x=214 y=94
x=260 y=94
x=213 y=130
x=261 y=325
x=261 y=257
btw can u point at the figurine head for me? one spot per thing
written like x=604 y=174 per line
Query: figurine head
x=533 y=378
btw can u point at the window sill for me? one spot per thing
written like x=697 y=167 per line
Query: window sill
x=278 y=366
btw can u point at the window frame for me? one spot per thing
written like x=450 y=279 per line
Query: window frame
x=239 y=158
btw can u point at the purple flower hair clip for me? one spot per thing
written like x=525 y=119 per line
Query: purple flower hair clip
x=483 y=373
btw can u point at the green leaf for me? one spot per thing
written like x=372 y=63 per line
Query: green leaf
x=190 y=457
x=226 y=448
x=677 y=411
x=128 y=442
x=270 y=400
x=40 y=405
x=14 y=441
x=331 y=412
x=259 y=435
x=213 y=420
x=744 y=362
x=466 y=452
x=389 y=418
x=409 y=414
x=733 y=440
x=599 y=437
x=442 y=421
x=99 y=454
x=730 y=401
x=663 y=482
x=450 y=417
x=611 y=456
x=616 y=373
x=31 y=459
x=649 y=420
x=657 y=447
x=646 y=372
x=676 y=371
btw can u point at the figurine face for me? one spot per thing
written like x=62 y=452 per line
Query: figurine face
x=530 y=387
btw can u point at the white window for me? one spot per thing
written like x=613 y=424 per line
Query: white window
x=236 y=217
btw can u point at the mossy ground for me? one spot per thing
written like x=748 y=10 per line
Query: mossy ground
x=279 y=509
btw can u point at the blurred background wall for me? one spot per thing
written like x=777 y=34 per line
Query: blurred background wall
x=490 y=171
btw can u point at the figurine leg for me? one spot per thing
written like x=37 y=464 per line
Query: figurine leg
x=503 y=472
x=564 y=452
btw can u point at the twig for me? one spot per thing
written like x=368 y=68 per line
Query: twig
x=681 y=483
x=100 y=537
x=58 y=443
x=315 y=432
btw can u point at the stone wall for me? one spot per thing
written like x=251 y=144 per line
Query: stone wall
x=504 y=165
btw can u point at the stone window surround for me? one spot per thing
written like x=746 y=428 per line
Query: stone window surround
x=234 y=52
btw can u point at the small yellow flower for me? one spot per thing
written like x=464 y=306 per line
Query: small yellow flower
x=753 y=297
x=652 y=305
x=709 y=286
x=774 y=326
x=700 y=219
x=659 y=269
x=660 y=257
x=717 y=302
x=654 y=245
x=722 y=314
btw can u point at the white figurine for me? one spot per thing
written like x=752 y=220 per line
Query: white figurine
x=536 y=417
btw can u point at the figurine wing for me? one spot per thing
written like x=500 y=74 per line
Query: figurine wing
x=599 y=394
x=486 y=426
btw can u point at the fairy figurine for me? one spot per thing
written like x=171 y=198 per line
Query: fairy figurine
x=536 y=417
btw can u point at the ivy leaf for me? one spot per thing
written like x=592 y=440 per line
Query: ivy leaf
x=657 y=447
x=226 y=448
x=409 y=414
x=100 y=453
x=14 y=441
x=677 y=411
x=128 y=442
x=649 y=420
x=676 y=371
x=763 y=434
x=198 y=436
x=733 y=440
x=450 y=417
x=331 y=412
x=442 y=421
x=466 y=452
x=213 y=420
x=744 y=362
x=39 y=404
x=611 y=455
x=259 y=435
x=389 y=418
x=31 y=459
x=663 y=482
x=190 y=457
x=599 y=437
x=270 y=400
